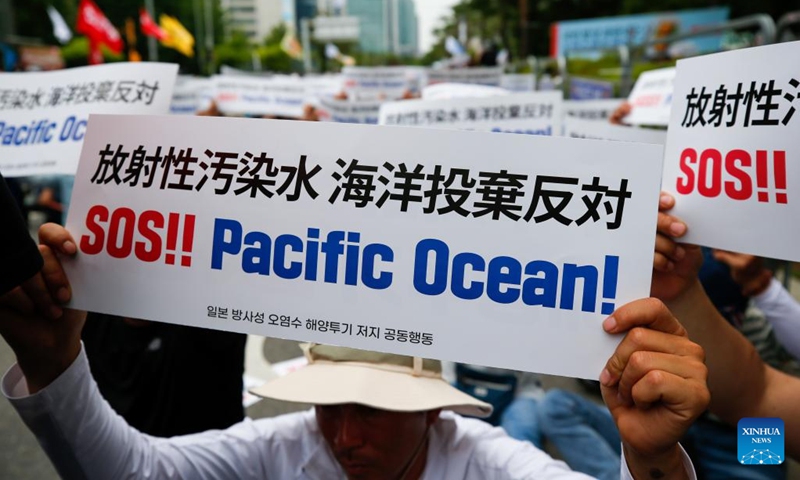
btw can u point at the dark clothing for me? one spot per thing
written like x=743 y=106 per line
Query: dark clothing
x=723 y=291
x=19 y=255
x=165 y=379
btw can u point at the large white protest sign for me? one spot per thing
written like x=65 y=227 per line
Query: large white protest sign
x=509 y=250
x=580 y=128
x=476 y=75
x=651 y=98
x=348 y=111
x=43 y=114
x=242 y=95
x=733 y=154
x=537 y=113
x=371 y=83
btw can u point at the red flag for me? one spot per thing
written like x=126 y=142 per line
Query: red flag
x=149 y=27
x=94 y=24
x=95 y=55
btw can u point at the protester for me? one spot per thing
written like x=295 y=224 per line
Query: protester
x=743 y=385
x=378 y=414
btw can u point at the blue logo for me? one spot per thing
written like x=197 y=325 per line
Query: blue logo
x=761 y=441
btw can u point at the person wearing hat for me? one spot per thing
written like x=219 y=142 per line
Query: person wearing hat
x=375 y=415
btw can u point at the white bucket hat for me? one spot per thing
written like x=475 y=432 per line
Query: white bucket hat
x=386 y=381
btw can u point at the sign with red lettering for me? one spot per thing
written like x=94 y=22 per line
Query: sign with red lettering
x=733 y=155
x=651 y=98
x=381 y=238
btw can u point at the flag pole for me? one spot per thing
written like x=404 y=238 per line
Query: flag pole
x=152 y=48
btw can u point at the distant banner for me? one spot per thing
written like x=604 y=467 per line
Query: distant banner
x=475 y=75
x=733 y=151
x=611 y=32
x=441 y=91
x=527 y=113
x=349 y=111
x=371 y=83
x=190 y=95
x=43 y=114
x=589 y=89
x=518 y=82
x=383 y=239
x=579 y=128
x=651 y=98
x=242 y=95
x=599 y=110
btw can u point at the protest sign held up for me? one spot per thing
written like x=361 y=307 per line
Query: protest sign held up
x=732 y=151
x=537 y=113
x=377 y=238
x=651 y=98
x=580 y=128
x=43 y=114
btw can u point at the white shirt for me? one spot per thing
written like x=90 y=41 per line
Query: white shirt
x=86 y=439
x=783 y=313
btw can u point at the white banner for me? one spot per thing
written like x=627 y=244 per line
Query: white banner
x=537 y=113
x=242 y=95
x=518 y=82
x=651 y=98
x=43 y=114
x=477 y=75
x=441 y=91
x=371 y=83
x=189 y=95
x=349 y=111
x=733 y=153
x=377 y=238
x=580 y=128
x=592 y=109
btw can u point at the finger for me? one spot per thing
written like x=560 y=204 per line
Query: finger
x=58 y=238
x=734 y=260
x=54 y=276
x=18 y=300
x=669 y=248
x=36 y=289
x=646 y=312
x=670 y=226
x=644 y=340
x=686 y=397
x=665 y=202
x=662 y=263
x=641 y=363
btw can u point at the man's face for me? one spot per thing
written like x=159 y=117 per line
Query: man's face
x=374 y=444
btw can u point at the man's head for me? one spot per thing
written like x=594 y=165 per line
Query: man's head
x=373 y=409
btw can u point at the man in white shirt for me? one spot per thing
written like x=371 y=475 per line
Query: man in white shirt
x=376 y=416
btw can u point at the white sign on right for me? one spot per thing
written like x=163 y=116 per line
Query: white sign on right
x=732 y=157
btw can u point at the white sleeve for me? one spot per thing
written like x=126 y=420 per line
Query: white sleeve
x=86 y=439
x=783 y=313
x=625 y=473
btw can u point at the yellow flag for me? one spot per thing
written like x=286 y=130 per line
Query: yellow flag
x=291 y=46
x=177 y=36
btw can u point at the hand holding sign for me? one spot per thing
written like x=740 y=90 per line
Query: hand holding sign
x=675 y=266
x=44 y=346
x=654 y=385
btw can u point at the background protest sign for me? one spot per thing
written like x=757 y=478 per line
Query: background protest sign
x=732 y=154
x=600 y=110
x=508 y=251
x=475 y=75
x=580 y=128
x=371 y=83
x=441 y=91
x=349 y=111
x=190 y=94
x=43 y=114
x=518 y=82
x=537 y=113
x=651 y=98
x=242 y=95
